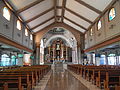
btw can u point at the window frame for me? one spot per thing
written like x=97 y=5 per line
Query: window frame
x=20 y=24
x=98 y=23
x=91 y=32
x=26 y=32
x=8 y=11
x=31 y=37
x=109 y=13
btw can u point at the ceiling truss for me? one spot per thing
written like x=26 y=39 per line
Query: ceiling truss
x=89 y=6
x=63 y=8
x=39 y=15
x=42 y=23
x=75 y=23
x=55 y=9
x=29 y=6
x=79 y=15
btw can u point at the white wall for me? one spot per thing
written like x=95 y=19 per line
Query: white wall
x=107 y=31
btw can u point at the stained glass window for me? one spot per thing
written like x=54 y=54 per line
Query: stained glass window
x=112 y=14
x=6 y=13
x=26 y=32
x=31 y=37
x=19 y=25
x=99 y=24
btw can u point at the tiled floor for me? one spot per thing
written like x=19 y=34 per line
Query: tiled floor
x=63 y=80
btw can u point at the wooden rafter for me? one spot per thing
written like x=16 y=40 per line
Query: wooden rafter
x=59 y=7
x=104 y=11
x=29 y=6
x=89 y=6
x=45 y=27
x=42 y=23
x=58 y=16
x=52 y=25
x=39 y=15
x=63 y=9
x=55 y=10
x=75 y=23
x=79 y=16
x=72 y=27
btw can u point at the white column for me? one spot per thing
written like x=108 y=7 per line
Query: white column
x=66 y=53
x=37 y=54
x=79 y=56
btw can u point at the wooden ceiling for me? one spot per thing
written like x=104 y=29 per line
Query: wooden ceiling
x=79 y=14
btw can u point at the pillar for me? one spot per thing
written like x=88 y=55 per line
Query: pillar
x=62 y=50
x=79 y=54
x=53 y=48
x=37 y=61
x=66 y=53
x=106 y=59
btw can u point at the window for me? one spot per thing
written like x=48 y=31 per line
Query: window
x=91 y=32
x=112 y=14
x=99 y=24
x=19 y=25
x=13 y=60
x=5 y=60
x=26 y=32
x=111 y=59
x=102 y=59
x=31 y=37
x=6 y=13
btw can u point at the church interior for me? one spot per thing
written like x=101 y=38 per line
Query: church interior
x=59 y=44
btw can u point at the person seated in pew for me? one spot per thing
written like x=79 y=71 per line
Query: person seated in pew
x=86 y=63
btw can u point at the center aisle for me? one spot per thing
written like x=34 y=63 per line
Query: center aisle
x=63 y=80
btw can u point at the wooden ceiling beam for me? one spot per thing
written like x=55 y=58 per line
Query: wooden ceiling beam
x=42 y=23
x=87 y=20
x=89 y=6
x=44 y=28
x=72 y=27
x=59 y=7
x=58 y=16
x=55 y=10
x=75 y=23
x=29 y=6
x=39 y=15
x=63 y=9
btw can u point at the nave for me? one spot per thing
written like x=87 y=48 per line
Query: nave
x=60 y=44
x=61 y=79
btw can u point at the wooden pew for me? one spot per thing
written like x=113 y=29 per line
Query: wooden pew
x=96 y=74
x=29 y=75
x=112 y=79
x=6 y=82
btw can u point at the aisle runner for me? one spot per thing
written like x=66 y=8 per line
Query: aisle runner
x=86 y=83
x=43 y=82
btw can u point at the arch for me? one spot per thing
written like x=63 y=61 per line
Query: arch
x=42 y=32
x=58 y=36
